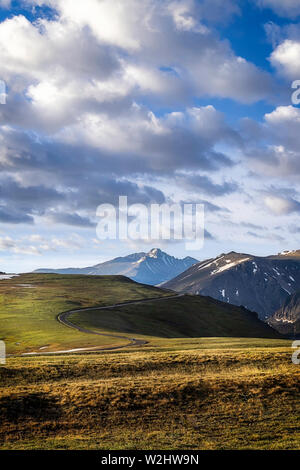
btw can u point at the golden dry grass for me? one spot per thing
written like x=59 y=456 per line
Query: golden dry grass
x=213 y=398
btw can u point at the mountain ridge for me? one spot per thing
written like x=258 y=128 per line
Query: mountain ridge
x=261 y=284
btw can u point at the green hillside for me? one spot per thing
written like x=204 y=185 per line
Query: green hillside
x=186 y=316
x=30 y=303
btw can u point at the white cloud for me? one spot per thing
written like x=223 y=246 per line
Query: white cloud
x=286 y=58
x=273 y=147
x=283 y=114
x=81 y=120
x=169 y=54
x=178 y=139
x=115 y=23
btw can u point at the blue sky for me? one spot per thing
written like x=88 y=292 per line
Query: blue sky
x=161 y=100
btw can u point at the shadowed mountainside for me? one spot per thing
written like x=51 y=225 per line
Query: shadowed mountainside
x=261 y=284
x=184 y=316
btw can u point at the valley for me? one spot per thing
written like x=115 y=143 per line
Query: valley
x=260 y=284
x=98 y=362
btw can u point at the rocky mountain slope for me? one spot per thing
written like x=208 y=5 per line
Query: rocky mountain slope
x=260 y=284
x=151 y=268
x=287 y=318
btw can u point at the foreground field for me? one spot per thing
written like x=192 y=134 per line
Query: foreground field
x=208 y=393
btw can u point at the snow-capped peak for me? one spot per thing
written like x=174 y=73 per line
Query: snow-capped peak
x=154 y=253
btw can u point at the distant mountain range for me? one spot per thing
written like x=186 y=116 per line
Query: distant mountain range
x=260 y=284
x=151 y=268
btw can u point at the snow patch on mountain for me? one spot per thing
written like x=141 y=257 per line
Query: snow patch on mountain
x=228 y=266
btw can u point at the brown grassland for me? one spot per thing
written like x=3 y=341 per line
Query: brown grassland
x=175 y=394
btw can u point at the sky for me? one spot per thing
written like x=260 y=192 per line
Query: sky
x=163 y=101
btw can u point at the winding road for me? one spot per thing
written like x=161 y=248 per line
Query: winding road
x=64 y=319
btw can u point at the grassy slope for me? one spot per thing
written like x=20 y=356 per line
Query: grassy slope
x=191 y=394
x=188 y=316
x=28 y=315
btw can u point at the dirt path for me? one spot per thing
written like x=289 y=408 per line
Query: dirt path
x=64 y=319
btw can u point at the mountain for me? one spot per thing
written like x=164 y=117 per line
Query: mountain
x=151 y=268
x=260 y=284
x=287 y=318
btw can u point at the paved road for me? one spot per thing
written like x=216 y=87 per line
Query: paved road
x=64 y=319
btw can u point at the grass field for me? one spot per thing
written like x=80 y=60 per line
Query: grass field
x=207 y=393
x=29 y=305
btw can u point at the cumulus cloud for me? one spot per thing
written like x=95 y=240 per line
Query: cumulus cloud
x=286 y=58
x=285 y=40
x=101 y=103
x=273 y=146
x=177 y=139
x=87 y=157
x=169 y=54
x=73 y=116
